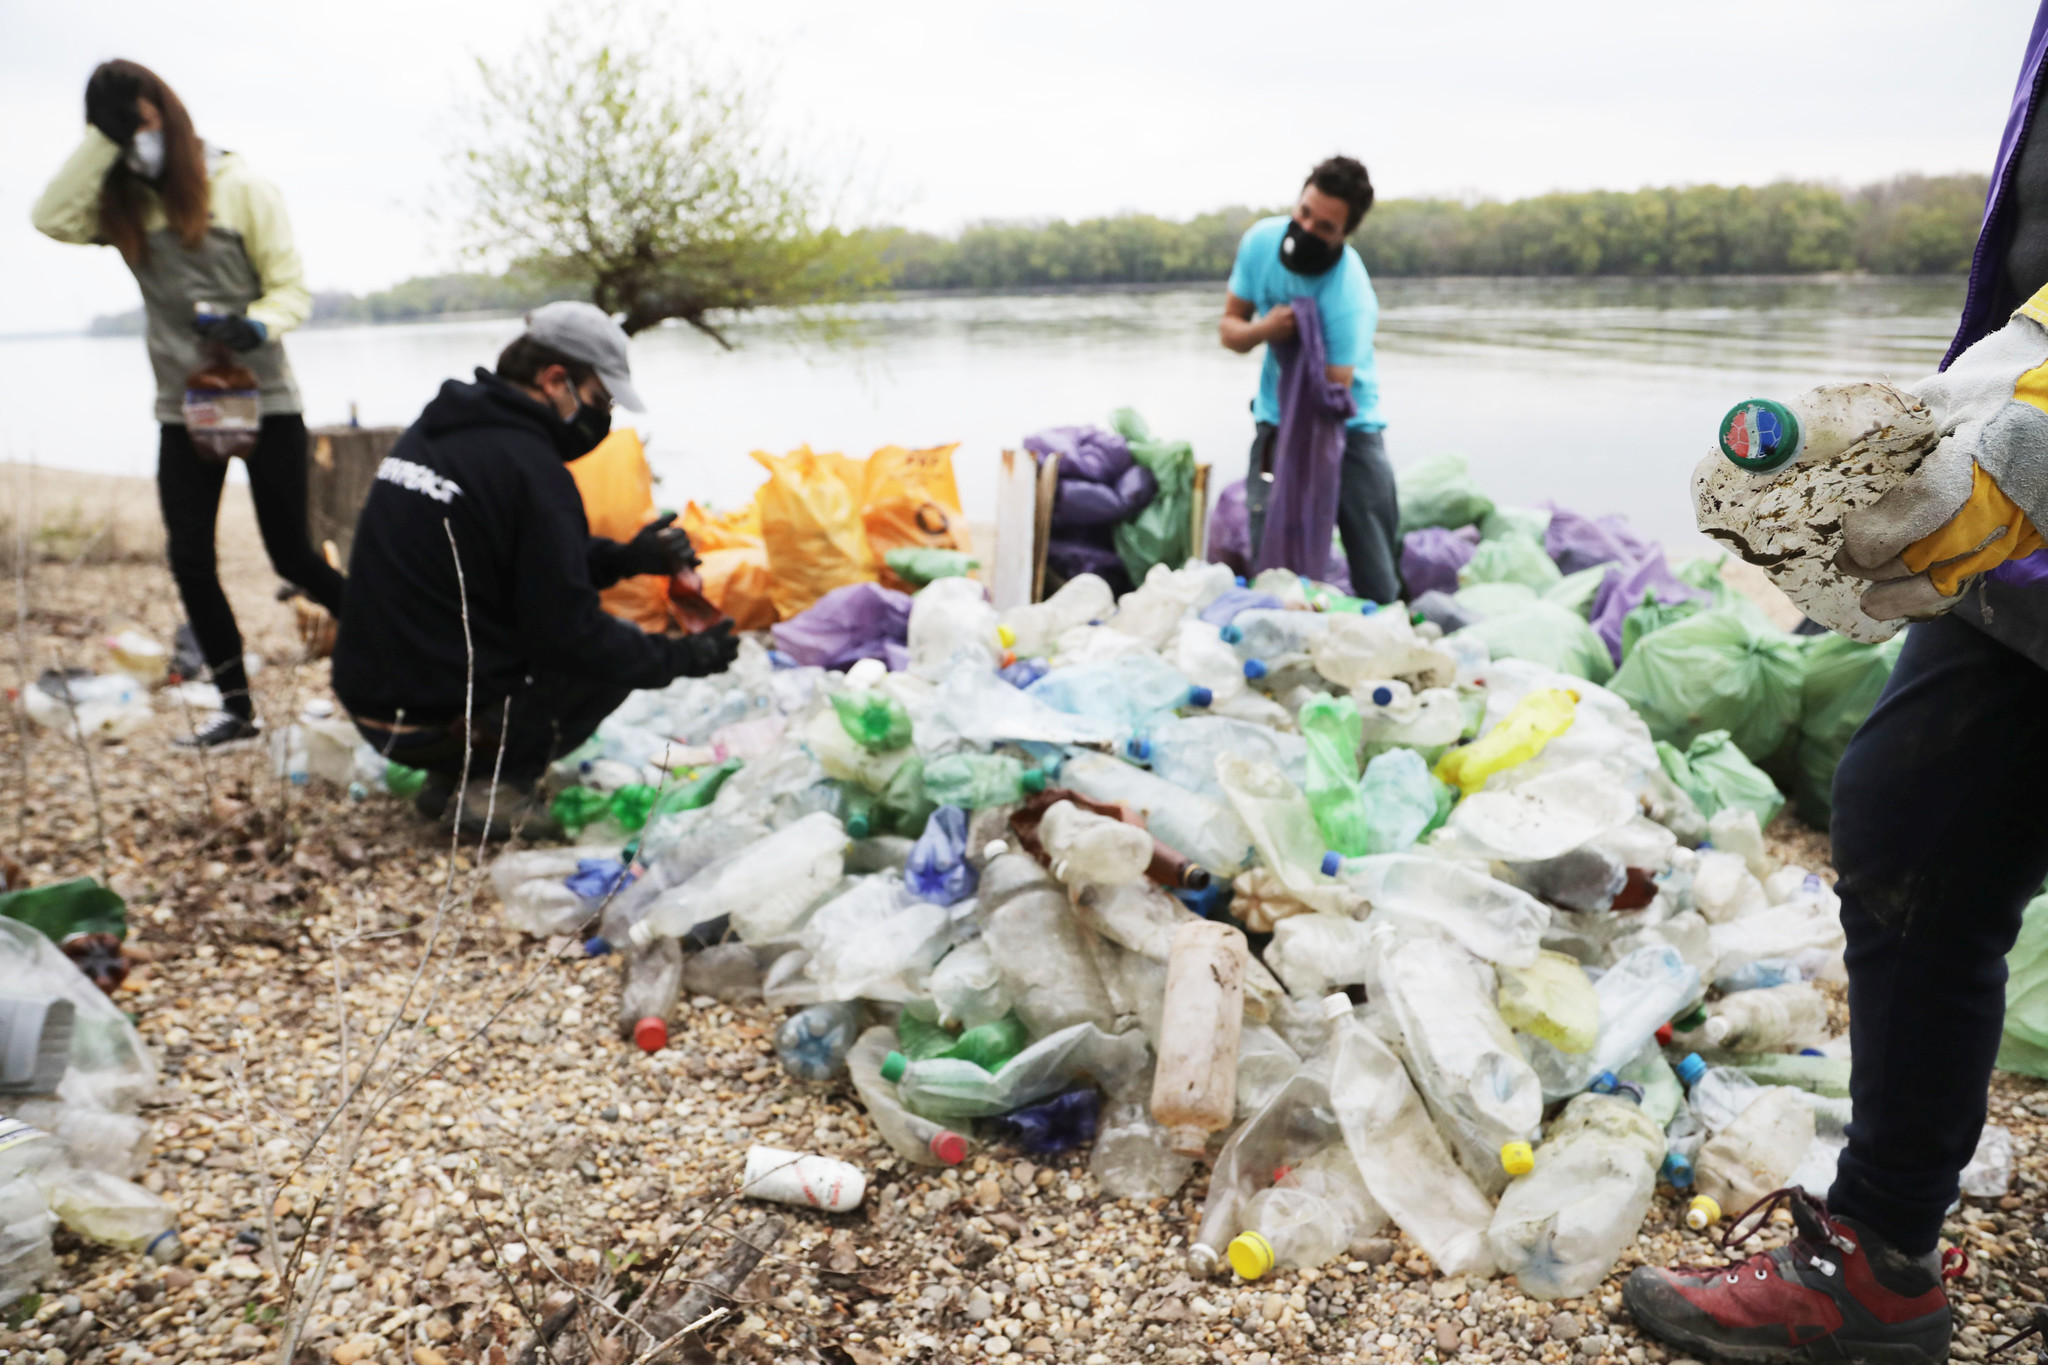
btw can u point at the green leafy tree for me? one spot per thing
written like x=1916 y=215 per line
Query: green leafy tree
x=612 y=164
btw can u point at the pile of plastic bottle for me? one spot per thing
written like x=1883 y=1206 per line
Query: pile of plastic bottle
x=1379 y=927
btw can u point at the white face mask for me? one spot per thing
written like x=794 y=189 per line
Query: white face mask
x=146 y=155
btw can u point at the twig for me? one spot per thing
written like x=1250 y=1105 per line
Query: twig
x=651 y=1352
x=541 y=1336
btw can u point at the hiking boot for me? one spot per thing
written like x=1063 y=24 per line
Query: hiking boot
x=221 y=732
x=431 y=800
x=1837 y=1292
x=519 y=807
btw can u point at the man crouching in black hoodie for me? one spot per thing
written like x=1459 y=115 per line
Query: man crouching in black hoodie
x=473 y=581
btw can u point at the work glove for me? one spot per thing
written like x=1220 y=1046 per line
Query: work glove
x=1969 y=507
x=711 y=651
x=660 y=547
x=235 y=331
x=110 y=97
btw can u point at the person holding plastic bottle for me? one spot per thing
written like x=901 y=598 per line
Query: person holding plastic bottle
x=1939 y=844
x=1305 y=255
x=474 y=643
x=208 y=241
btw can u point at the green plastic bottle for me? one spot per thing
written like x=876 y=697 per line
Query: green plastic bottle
x=402 y=781
x=918 y=565
x=903 y=807
x=694 y=788
x=975 y=780
x=1332 y=727
x=919 y=1039
x=577 y=807
x=987 y=1046
x=631 y=805
x=877 y=723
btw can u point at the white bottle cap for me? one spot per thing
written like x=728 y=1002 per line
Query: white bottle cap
x=1336 y=1005
x=1718 y=1028
x=996 y=849
x=641 y=934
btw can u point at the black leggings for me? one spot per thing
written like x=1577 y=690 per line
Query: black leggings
x=189 y=487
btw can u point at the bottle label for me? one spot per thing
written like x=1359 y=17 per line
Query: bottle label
x=14 y=1133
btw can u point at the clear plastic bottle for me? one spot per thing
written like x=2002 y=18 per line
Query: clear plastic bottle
x=1757 y=1153
x=1792 y=1015
x=25 y=1252
x=844 y=760
x=875 y=940
x=812 y=1044
x=1307 y=1217
x=1036 y=943
x=1330 y=726
x=1552 y=999
x=1035 y=629
x=945 y=1088
x=1487 y=917
x=1151 y=613
x=1087 y=849
x=1267 y=634
x=107 y=1209
x=1283 y=828
x=653 y=976
x=978 y=708
x=1198 y=651
x=1360 y=650
x=1129 y=692
x=1638 y=993
x=1131 y=1158
x=1204 y=829
x=766 y=888
x=1183 y=752
x=967 y=988
x=872 y=719
x=951 y=620
x=937 y=869
x=1265 y=1063
x=1432 y=719
x=1559 y=1229
x=910 y=1136
x=1194 y=1089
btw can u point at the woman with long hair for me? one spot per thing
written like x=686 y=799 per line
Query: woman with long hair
x=209 y=243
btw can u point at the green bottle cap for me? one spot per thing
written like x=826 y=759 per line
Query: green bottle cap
x=1759 y=435
x=1034 y=779
x=893 y=1067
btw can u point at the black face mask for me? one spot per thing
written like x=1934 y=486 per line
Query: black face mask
x=1307 y=254
x=580 y=433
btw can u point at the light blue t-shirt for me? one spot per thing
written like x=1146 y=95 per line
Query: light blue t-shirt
x=1344 y=297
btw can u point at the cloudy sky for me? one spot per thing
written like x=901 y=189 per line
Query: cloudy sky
x=956 y=112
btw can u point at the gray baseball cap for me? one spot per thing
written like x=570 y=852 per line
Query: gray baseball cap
x=584 y=332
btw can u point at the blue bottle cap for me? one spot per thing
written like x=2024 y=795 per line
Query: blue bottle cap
x=1231 y=635
x=1239 y=581
x=1677 y=1170
x=1811 y=1052
x=1691 y=1067
x=1333 y=862
x=1138 y=747
x=597 y=945
x=1383 y=696
x=1200 y=696
x=1368 y=608
x=1605 y=1083
x=1254 y=669
x=778 y=659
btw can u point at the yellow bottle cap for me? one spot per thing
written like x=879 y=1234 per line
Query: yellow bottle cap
x=1007 y=636
x=1250 y=1255
x=1517 y=1158
x=1702 y=1213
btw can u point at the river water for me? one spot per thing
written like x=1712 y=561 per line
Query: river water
x=1600 y=394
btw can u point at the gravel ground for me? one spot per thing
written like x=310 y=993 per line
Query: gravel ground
x=505 y=1151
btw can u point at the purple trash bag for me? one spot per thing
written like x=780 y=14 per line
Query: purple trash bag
x=1432 y=556
x=1225 y=608
x=1622 y=592
x=1081 y=550
x=1576 y=541
x=1135 y=488
x=937 y=869
x=1230 y=530
x=1076 y=502
x=1088 y=453
x=858 y=621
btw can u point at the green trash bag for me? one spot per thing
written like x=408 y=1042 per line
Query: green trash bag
x=1511 y=559
x=918 y=565
x=1545 y=633
x=577 y=807
x=1653 y=615
x=1843 y=679
x=1159 y=533
x=1402 y=800
x=1716 y=775
x=61 y=910
x=1704 y=573
x=875 y=721
x=1438 y=492
x=1576 y=591
x=1716 y=671
x=2025 y=1045
x=1482 y=600
x=1532 y=522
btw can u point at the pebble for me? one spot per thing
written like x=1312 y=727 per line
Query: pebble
x=997 y=1346
x=980 y=1308
x=1564 y=1327
x=1372 y=1251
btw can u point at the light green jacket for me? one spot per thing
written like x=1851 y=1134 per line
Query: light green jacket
x=246 y=264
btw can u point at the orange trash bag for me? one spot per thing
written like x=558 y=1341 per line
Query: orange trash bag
x=618 y=499
x=734 y=567
x=811 y=525
x=909 y=500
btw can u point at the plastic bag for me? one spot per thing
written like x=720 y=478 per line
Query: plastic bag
x=1652 y=615
x=2025 y=1045
x=1533 y=522
x=1439 y=492
x=733 y=563
x=811 y=526
x=1087 y=453
x=1843 y=680
x=1432 y=557
x=1577 y=592
x=1716 y=775
x=1230 y=529
x=909 y=501
x=1510 y=559
x=1578 y=542
x=1159 y=533
x=1402 y=800
x=858 y=621
x=1647 y=578
x=1716 y=671
x=1545 y=633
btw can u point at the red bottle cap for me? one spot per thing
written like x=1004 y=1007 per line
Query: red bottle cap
x=651 y=1034
x=949 y=1147
x=1664 y=1035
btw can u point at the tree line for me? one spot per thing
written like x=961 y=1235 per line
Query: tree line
x=1912 y=225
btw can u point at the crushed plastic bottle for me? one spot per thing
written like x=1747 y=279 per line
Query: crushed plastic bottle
x=1130 y=692
x=1265 y=634
x=875 y=941
x=1132 y=1159
x=1183 y=752
x=1090 y=849
x=765 y=888
x=1047 y=971
x=1794 y=1015
x=1194 y=1087
x=1487 y=917
x=1553 y=999
x=1756 y=1153
x=1637 y=994
x=967 y=990
x=1036 y=628
x=813 y=1043
x=876 y=722
x=910 y=1136
x=1536 y=720
x=1205 y=830
x=937 y=869
x=1330 y=725
x=973 y=781
x=988 y=1046
x=947 y=1088
x=1307 y=1217
x=1402 y=802
x=114 y=1212
x=654 y=975
x=1060 y=1124
x=1560 y=1228
x=952 y=627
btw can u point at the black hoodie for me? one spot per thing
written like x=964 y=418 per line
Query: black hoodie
x=481 y=466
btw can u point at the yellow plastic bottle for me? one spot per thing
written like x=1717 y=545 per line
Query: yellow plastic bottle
x=1517 y=1158
x=1702 y=1213
x=1536 y=720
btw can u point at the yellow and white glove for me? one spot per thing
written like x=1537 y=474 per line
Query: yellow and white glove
x=1973 y=503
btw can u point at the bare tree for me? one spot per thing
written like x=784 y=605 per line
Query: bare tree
x=624 y=165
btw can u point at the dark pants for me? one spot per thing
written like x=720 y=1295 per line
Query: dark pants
x=1940 y=841
x=547 y=718
x=1368 y=509
x=188 y=487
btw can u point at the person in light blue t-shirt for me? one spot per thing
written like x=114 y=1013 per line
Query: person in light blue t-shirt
x=1282 y=259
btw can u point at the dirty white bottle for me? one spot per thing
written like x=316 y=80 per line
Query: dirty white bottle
x=952 y=620
x=1087 y=849
x=1036 y=942
x=765 y=888
x=1035 y=628
x=1194 y=1088
x=1788 y=1016
x=1207 y=831
x=1756 y=1153
x=1559 y=1229
x=814 y=1182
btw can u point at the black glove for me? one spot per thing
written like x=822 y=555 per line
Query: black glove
x=110 y=97
x=699 y=656
x=232 y=330
x=658 y=548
